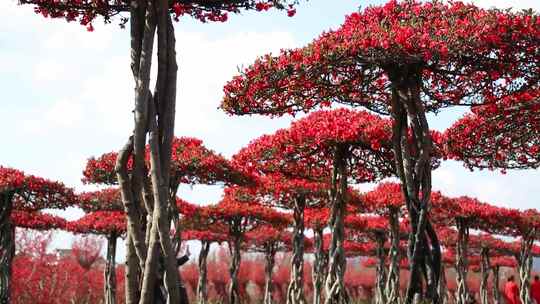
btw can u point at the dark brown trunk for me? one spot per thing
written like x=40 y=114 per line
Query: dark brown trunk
x=462 y=265
x=319 y=266
x=234 y=249
x=484 y=275
x=7 y=246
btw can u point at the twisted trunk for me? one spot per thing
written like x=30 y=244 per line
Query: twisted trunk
x=7 y=245
x=110 y=270
x=392 y=282
x=234 y=248
x=462 y=292
x=484 y=275
x=147 y=206
x=202 y=293
x=319 y=266
x=495 y=288
x=525 y=265
x=295 y=291
x=380 y=295
x=413 y=167
x=269 y=256
x=335 y=290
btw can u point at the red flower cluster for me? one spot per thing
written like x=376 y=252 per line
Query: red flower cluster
x=100 y=222
x=101 y=200
x=36 y=220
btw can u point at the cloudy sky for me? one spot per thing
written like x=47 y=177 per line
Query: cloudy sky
x=68 y=94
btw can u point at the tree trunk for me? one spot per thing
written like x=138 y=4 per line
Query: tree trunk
x=335 y=290
x=525 y=265
x=495 y=288
x=234 y=249
x=154 y=117
x=443 y=289
x=392 y=282
x=202 y=293
x=462 y=265
x=380 y=295
x=295 y=291
x=110 y=270
x=269 y=256
x=319 y=266
x=7 y=245
x=484 y=275
x=413 y=166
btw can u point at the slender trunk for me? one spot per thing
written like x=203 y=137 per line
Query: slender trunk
x=7 y=246
x=319 y=266
x=202 y=293
x=392 y=281
x=269 y=255
x=380 y=295
x=525 y=265
x=443 y=289
x=295 y=291
x=413 y=166
x=110 y=270
x=495 y=288
x=334 y=286
x=132 y=274
x=484 y=275
x=462 y=292
x=234 y=247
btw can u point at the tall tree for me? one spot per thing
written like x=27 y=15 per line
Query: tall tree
x=404 y=59
x=151 y=24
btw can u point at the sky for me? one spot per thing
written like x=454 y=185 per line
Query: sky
x=68 y=95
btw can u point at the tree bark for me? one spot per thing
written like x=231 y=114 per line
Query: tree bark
x=202 y=293
x=319 y=266
x=269 y=256
x=234 y=249
x=110 y=270
x=413 y=167
x=462 y=265
x=295 y=291
x=335 y=290
x=525 y=265
x=443 y=288
x=380 y=295
x=7 y=245
x=484 y=275
x=392 y=282
x=495 y=288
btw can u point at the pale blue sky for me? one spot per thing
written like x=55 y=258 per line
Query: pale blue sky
x=67 y=94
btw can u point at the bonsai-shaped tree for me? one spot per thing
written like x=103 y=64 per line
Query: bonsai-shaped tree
x=404 y=59
x=22 y=192
x=151 y=24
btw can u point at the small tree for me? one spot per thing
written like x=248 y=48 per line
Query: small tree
x=19 y=191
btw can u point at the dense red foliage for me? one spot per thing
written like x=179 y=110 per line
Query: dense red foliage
x=100 y=222
x=504 y=135
x=192 y=163
x=85 y=11
x=464 y=54
x=37 y=220
x=34 y=193
x=101 y=200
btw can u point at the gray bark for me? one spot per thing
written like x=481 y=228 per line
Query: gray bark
x=392 y=282
x=495 y=288
x=462 y=265
x=269 y=256
x=202 y=293
x=484 y=275
x=335 y=290
x=234 y=249
x=380 y=270
x=525 y=266
x=110 y=270
x=319 y=266
x=295 y=291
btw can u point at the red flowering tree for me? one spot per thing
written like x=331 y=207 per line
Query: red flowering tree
x=239 y=218
x=151 y=24
x=404 y=59
x=268 y=240
x=111 y=224
x=191 y=163
x=355 y=145
x=22 y=192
